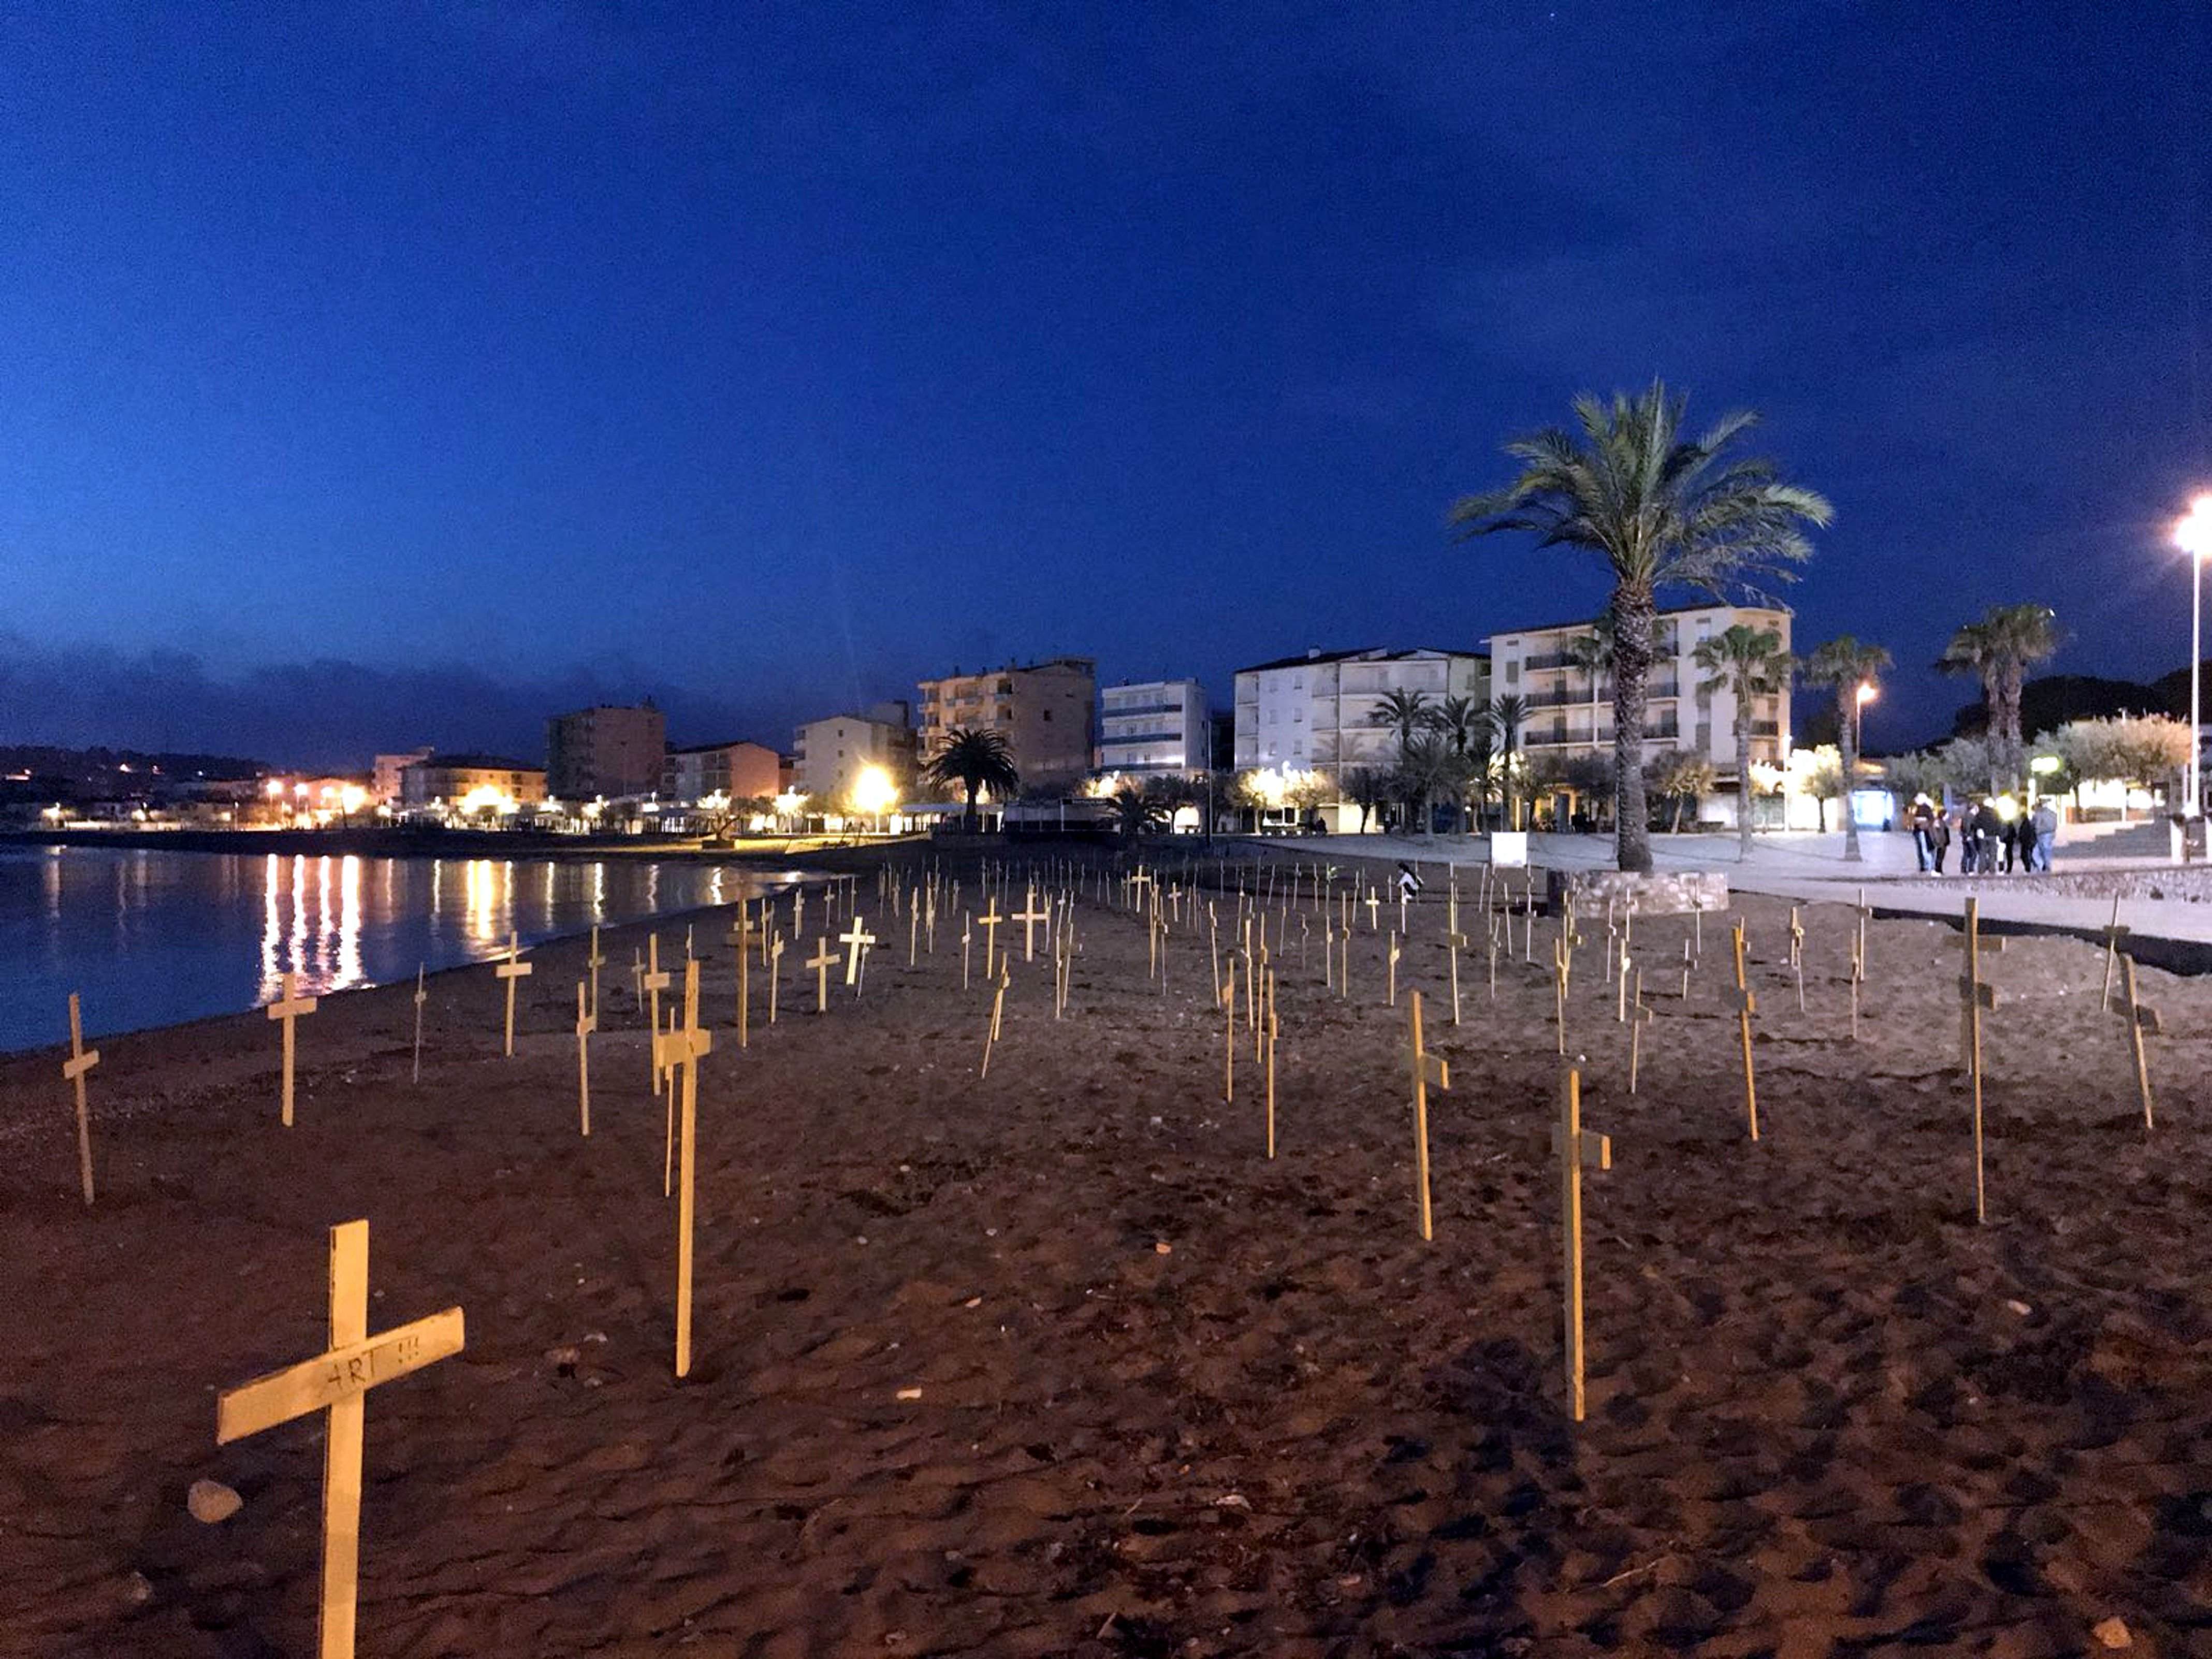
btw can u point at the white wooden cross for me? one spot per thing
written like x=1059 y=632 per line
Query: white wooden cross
x=1747 y=1005
x=676 y=1051
x=655 y=982
x=1575 y=1146
x=511 y=970
x=81 y=1061
x=289 y=1008
x=797 y=910
x=1029 y=918
x=998 y=1009
x=774 y=972
x=1975 y=997
x=587 y=1021
x=820 y=962
x=2139 y=1015
x=2115 y=940
x=338 y=1382
x=1455 y=942
x=1640 y=1017
x=856 y=939
x=989 y=921
x=740 y=940
x=1374 y=902
x=1426 y=1068
x=595 y=961
x=1391 y=995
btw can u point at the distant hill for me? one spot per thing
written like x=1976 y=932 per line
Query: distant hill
x=2056 y=699
x=41 y=771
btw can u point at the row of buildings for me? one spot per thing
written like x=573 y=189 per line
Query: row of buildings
x=1320 y=713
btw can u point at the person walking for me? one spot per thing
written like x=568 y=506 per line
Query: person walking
x=1970 y=838
x=2025 y=833
x=1989 y=836
x=1939 y=836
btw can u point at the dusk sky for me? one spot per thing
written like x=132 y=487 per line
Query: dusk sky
x=382 y=373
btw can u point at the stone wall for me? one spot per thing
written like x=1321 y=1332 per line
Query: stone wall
x=1672 y=893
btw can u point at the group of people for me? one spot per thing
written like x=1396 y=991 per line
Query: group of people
x=1992 y=832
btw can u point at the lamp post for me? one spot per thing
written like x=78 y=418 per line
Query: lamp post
x=1866 y=693
x=2193 y=536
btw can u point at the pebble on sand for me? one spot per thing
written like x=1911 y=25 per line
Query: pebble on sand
x=2112 y=1633
x=210 y=1502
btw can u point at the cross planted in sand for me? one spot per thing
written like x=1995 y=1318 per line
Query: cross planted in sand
x=655 y=982
x=2139 y=1015
x=1747 y=1005
x=856 y=939
x=81 y=1061
x=821 y=963
x=1029 y=919
x=587 y=1021
x=1575 y=1146
x=989 y=921
x=289 y=1007
x=595 y=961
x=1975 y=996
x=1426 y=1068
x=421 y=997
x=678 y=1051
x=1455 y=942
x=2115 y=940
x=512 y=968
x=338 y=1382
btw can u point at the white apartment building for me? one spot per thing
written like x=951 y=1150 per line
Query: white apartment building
x=1315 y=713
x=1571 y=713
x=1154 y=726
x=827 y=755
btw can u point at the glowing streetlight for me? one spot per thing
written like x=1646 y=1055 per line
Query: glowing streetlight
x=1866 y=693
x=873 y=792
x=2193 y=536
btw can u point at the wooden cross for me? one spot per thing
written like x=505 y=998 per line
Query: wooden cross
x=1229 y=1071
x=1392 y=997
x=1858 y=975
x=967 y=933
x=797 y=910
x=81 y=1061
x=2140 y=1017
x=289 y=1008
x=1747 y=1005
x=1639 y=1017
x=1374 y=903
x=1575 y=1146
x=855 y=939
x=1426 y=1068
x=2115 y=940
x=511 y=970
x=820 y=962
x=655 y=982
x=1974 y=997
x=636 y=978
x=1455 y=942
x=1689 y=960
x=338 y=1382
x=1562 y=959
x=989 y=921
x=676 y=1050
x=740 y=938
x=998 y=1009
x=587 y=1022
x=421 y=997
x=775 y=974
x=595 y=961
x=1797 y=939
x=1274 y=1031
x=1029 y=919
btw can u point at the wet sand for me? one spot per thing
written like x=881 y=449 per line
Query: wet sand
x=1173 y=1397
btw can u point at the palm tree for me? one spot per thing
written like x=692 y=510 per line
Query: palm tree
x=974 y=758
x=1749 y=662
x=1369 y=786
x=1508 y=714
x=1592 y=653
x=1138 y=810
x=1999 y=649
x=1850 y=667
x=1460 y=719
x=1407 y=712
x=1430 y=767
x=1482 y=771
x=1662 y=510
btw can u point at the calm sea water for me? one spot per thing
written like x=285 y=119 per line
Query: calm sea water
x=150 y=938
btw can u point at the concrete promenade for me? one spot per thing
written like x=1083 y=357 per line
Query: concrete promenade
x=1809 y=868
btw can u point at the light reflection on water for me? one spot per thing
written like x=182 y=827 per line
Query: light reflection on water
x=153 y=938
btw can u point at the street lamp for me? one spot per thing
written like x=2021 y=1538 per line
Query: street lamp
x=2193 y=536
x=1868 y=692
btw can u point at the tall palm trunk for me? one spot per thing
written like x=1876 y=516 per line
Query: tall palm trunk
x=1632 y=616
x=1743 y=774
x=1847 y=739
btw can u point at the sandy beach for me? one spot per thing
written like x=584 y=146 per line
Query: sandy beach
x=1058 y=1362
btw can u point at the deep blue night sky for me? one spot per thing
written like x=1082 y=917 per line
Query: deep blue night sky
x=389 y=373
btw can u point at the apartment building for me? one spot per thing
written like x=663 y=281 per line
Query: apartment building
x=1046 y=712
x=828 y=754
x=1154 y=726
x=606 y=751
x=471 y=783
x=384 y=784
x=1571 y=710
x=737 y=771
x=1316 y=713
